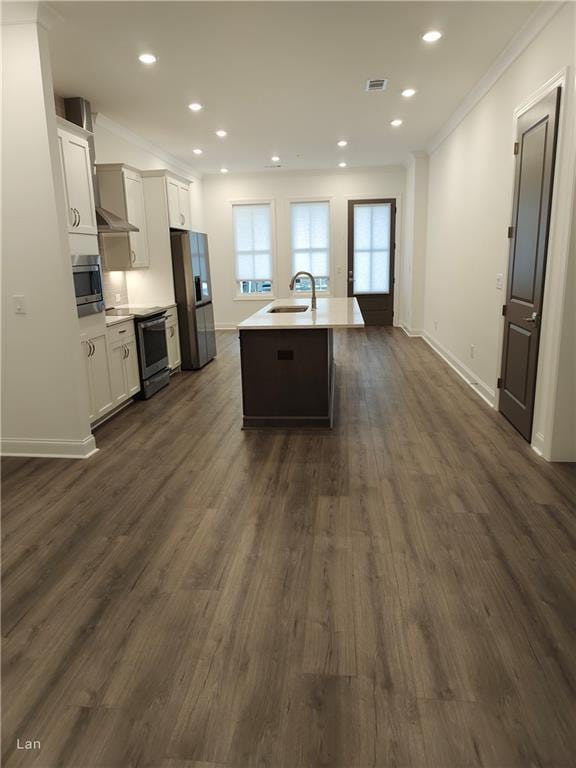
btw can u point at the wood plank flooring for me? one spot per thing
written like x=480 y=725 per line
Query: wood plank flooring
x=399 y=592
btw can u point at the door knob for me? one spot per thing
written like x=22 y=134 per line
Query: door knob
x=532 y=319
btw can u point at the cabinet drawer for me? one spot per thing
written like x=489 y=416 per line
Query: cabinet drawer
x=120 y=332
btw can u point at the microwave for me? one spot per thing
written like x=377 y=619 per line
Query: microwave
x=87 y=273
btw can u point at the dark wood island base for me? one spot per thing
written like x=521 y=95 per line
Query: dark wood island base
x=287 y=377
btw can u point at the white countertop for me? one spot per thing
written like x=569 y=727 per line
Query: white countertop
x=115 y=319
x=331 y=313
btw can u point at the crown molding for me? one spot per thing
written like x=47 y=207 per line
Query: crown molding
x=529 y=31
x=29 y=13
x=139 y=141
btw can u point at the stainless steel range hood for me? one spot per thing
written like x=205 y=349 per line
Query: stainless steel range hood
x=78 y=111
x=109 y=222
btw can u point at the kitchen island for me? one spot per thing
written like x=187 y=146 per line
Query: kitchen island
x=287 y=355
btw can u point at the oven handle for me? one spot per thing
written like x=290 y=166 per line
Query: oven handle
x=85 y=269
x=151 y=323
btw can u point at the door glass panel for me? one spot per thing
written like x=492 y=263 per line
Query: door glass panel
x=372 y=248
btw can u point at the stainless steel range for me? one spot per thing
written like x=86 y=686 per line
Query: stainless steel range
x=150 y=326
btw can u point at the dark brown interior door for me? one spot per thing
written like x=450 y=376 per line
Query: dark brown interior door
x=371 y=246
x=536 y=152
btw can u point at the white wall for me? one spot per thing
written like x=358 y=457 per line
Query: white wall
x=44 y=398
x=153 y=285
x=413 y=267
x=470 y=197
x=282 y=187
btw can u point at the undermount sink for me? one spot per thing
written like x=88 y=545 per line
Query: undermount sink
x=299 y=308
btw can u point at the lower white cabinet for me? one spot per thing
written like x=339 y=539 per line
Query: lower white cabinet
x=95 y=349
x=172 y=338
x=111 y=362
x=124 y=376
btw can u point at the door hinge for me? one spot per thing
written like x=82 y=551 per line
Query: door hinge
x=510 y=232
x=504 y=310
x=499 y=384
x=516 y=147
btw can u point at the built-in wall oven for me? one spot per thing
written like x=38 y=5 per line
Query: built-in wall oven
x=87 y=272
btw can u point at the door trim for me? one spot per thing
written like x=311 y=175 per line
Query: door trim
x=564 y=193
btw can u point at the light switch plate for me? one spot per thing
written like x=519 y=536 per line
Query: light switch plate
x=19 y=305
x=499 y=281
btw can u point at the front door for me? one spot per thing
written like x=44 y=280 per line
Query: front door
x=371 y=246
x=536 y=152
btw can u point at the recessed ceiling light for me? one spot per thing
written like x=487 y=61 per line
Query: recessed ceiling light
x=147 y=58
x=197 y=151
x=408 y=92
x=396 y=123
x=221 y=134
x=432 y=36
x=223 y=170
x=342 y=143
x=195 y=107
x=275 y=159
x=342 y=165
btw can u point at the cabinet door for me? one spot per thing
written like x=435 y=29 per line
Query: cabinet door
x=100 y=376
x=184 y=202
x=174 y=213
x=117 y=372
x=136 y=215
x=80 y=192
x=86 y=353
x=173 y=345
x=131 y=371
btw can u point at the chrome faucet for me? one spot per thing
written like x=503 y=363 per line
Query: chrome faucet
x=311 y=276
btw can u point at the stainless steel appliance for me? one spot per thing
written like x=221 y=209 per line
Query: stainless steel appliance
x=87 y=273
x=150 y=326
x=191 y=268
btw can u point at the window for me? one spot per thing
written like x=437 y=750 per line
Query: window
x=311 y=243
x=372 y=248
x=253 y=248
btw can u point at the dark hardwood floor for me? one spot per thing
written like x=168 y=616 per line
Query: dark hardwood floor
x=400 y=591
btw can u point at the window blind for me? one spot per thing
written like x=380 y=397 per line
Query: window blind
x=253 y=241
x=310 y=223
x=372 y=248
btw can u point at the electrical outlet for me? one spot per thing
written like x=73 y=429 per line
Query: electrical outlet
x=19 y=305
x=472 y=348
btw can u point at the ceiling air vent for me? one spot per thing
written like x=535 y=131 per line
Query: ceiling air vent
x=376 y=85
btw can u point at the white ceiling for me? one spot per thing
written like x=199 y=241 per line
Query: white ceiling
x=282 y=78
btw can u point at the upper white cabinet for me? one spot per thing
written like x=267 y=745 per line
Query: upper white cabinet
x=122 y=193
x=179 y=208
x=78 y=187
x=177 y=197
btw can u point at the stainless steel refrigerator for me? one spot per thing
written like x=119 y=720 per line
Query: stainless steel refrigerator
x=191 y=268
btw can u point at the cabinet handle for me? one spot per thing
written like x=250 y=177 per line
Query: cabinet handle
x=133 y=256
x=91 y=348
x=123 y=331
x=172 y=332
x=182 y=219
x=76 y=217
x=79 y=217
x=73 y=217
x=127 y=351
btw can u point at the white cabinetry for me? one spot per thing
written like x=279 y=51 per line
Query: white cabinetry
x=95 y=351
x=172 y=338
x=77 y=176
x=125 y=380
x=179 y=208
x=122 y=193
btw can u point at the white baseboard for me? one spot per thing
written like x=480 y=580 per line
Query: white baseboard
x=479 y=386
x=413 y=333
x=54 y=449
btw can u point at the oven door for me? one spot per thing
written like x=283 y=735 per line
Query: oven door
x=87 y=284
x=152 y=345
